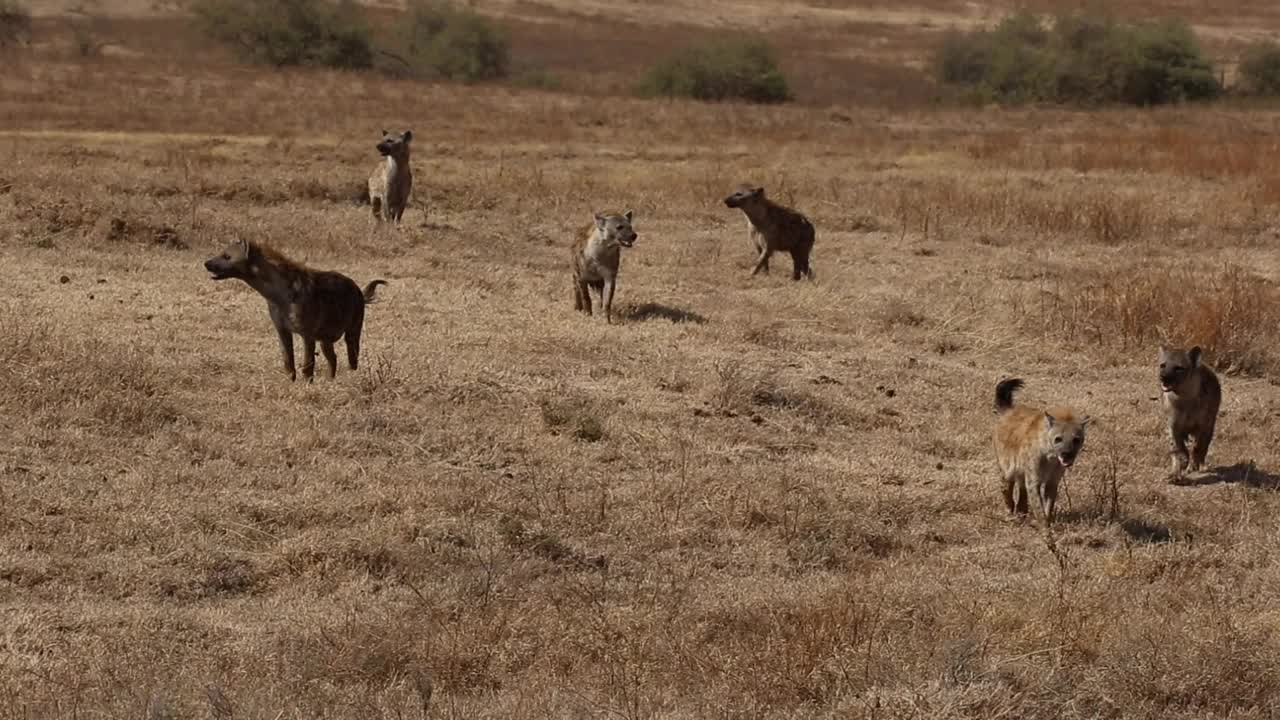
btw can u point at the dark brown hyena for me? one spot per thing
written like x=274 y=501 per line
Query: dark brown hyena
x=774 y=228
x=318 y=305
x=1191 y=395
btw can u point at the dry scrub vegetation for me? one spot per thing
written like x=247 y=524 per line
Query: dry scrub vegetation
x=749 y=498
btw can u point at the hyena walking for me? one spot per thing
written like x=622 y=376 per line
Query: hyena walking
x=597 y=252
x=773 y=228
x=391 y=183
x=1191 y=395
x=1034 y=449
x=320 y=306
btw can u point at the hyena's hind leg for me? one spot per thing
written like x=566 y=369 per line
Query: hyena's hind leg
x=1015 y=494
x=330 y=357
x=800 y=264
x=352 y=338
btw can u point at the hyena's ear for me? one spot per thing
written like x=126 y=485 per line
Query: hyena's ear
x=1048 y=421
x=384 y=132
x=1084 y=421
x=627 y=215
x=759 y=192
x=601 y=221
x=1195 y=356
x=408 y=135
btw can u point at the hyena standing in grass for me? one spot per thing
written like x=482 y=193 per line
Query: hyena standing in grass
x=597 y=252
x=1191 y=395
x=773 y=228
x=390 y=184
x=318 y=305
x=1034 y=449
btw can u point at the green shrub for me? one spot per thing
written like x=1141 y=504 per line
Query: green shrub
x=15 y=23
x=1260 y=69
x=1168 y=66
x=1078 y=59
x=727 y=69
x=327 y=33
x=446 y=41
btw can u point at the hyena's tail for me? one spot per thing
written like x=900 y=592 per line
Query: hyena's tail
x=371 y=290
x=1004 y=393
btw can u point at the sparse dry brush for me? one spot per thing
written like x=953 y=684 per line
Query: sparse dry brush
x=747 y=499
x=1230 y=313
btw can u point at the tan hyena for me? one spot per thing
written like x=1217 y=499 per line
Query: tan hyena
x=318 y=305
x=391 y=183
x=1034 y=449
x=1191 y=395
x=773 y=228
x=597 y=252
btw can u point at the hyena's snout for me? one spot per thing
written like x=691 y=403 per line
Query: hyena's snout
x=220 y=268
x=627 y=238
x=1067 y=455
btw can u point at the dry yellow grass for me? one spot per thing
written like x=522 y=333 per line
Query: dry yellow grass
x=749 y=498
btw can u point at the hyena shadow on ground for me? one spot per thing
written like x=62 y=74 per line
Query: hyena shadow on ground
x=1244 y=473
x=1139 y=529
x=658 y=311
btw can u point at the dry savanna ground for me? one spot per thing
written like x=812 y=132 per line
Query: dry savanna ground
x=748 y=498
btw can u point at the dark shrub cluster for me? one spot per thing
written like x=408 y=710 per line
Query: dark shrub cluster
x=735 y=68
x=437 y=39
x=290 y=32
x=15 y=23
x=446 y=41
x=1260 y=69
x=1078 y=59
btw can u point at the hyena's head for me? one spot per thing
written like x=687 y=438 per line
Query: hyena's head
x=1176 y=367
x=744 y=196
x=616 y=228
x=1064 y=435
x=395 y=145
x=233 y=262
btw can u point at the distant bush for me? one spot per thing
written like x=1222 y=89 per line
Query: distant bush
x=446 y=41
x=328 y=33
x=728 y=69
x=15 y=23
x=1078 y=59
x=1260 y=69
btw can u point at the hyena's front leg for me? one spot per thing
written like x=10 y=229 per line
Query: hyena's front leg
x=606 y=299
x=1035 y=486
x=763 y=262
x=1048 y=497
x=1203 y=438
x=308 y=357
x=584 y=297
x=1178 y=453
x=286 y=351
